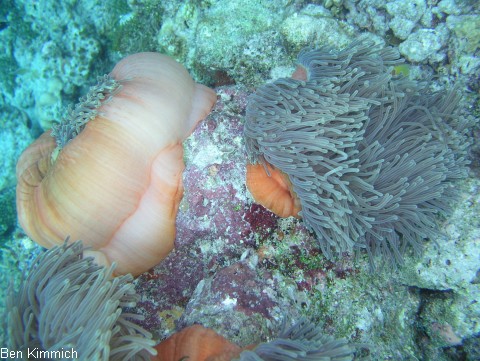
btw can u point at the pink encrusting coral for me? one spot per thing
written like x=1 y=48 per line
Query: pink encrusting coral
x=215 y=196
x=216 y=221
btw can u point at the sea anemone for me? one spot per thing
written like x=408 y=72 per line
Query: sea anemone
x=67 y=303
x=110 y=173
x=303 y=341
x=196 y=343
x=273 y=189
x=370 y=155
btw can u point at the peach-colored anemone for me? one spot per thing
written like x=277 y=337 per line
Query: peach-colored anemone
x=274 y=191
x=117 y=185
x=196 y=343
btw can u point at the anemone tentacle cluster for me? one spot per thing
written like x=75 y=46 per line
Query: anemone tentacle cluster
x=369 y=154
x=67 y=302
x=86 y=109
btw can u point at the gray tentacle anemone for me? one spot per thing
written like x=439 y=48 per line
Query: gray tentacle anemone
x=370 y=155
x=69 y=303
x=303 y=341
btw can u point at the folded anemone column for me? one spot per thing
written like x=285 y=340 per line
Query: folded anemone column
x=110 y=172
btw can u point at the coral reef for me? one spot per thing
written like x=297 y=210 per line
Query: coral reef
x=48 y=77
x=425 y=31
x=448 y=275
x=314 y=26
x=8 y=213
x=242 y=47
x=424 y=45
x=239 y=297
x=426 y=310
x=16 y=132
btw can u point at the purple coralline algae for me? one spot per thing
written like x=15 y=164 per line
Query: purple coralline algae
x=216 y=221
x=235 y=301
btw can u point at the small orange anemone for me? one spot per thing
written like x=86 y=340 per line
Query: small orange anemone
x=274 y=191
x=116 y=184
x=196 y=343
